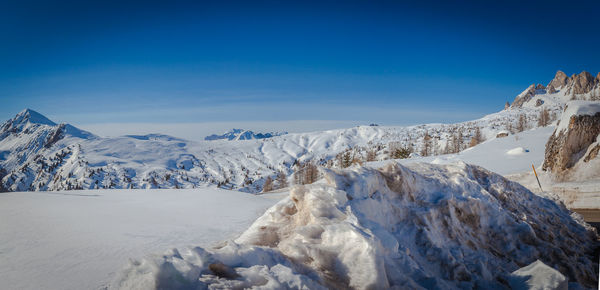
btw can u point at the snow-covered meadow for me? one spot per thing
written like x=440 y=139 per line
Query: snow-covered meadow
x=81 y=239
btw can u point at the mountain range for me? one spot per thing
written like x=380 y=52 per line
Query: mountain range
x=241 y=134
x=39 y=154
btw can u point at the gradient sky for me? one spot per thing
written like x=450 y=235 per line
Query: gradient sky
x=99 y=62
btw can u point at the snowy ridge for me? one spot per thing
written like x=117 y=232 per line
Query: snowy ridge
x=81 y=160
x=423 y=226
x=46 y=156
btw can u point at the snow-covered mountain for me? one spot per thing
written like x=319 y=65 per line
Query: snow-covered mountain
x=560 y=90
x=38 y=154
x=241 y=134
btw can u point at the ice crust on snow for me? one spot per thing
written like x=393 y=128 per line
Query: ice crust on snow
x=422 y=226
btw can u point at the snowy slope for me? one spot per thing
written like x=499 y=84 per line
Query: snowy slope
x=37 y=154
x=508 y=155
x=84 y=161
x=423 y=226
x=79 y=239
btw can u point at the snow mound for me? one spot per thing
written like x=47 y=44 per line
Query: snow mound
x=538 y=276
x=517 y=151
x=423 y=226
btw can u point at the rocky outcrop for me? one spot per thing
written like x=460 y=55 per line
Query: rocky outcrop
x=523 y=97
x=539 y=102
x=581 y=83
x=560 y=80
x=566 y=147
x=507 y=105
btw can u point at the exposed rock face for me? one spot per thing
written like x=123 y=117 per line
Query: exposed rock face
x=551 y=90
x=566 y=147
x=523 y=97
x=540 y=87
x=581 y=83
x=559 y=81
x=539 y=102
x=502 y=135
x=507 y=105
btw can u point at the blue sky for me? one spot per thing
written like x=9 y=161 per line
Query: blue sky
x=95 y=62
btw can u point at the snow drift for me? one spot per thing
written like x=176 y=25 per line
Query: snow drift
x=421 y=226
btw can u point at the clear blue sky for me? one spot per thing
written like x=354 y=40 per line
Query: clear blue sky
x=375 y=61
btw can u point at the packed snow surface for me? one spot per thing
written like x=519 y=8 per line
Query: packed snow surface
x=423 y=226
x=79 y=239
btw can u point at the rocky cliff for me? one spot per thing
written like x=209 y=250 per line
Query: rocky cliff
x=572 y=149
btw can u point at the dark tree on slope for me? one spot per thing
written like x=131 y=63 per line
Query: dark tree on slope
x=371 y=155
x=399 y=152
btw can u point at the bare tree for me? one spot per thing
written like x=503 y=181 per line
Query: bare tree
x=268 y=186
x=477 y=138
x=522 y=123
x=371 y=155
x=426 y=151
x=281 y=179
x=544 y=117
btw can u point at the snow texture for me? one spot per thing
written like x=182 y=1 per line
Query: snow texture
x=423 y=226
x=538 y=276
x=79 y=239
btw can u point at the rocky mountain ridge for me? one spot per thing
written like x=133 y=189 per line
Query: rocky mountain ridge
x=241 y=134
x=582 y=86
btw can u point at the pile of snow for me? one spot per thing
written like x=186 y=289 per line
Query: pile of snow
x=538 y=276
x=423 y=226
x=517 y=151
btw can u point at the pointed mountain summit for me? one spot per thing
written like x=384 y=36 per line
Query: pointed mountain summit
x=28 y=120
x=31 y=116
x=560 y=80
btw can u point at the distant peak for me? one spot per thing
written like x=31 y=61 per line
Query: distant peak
x=241 y=134
x=560 y=80
x=31 y=116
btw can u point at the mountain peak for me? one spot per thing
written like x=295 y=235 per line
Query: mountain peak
x=560 y=79
x=31 y=116
x=241 y=134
